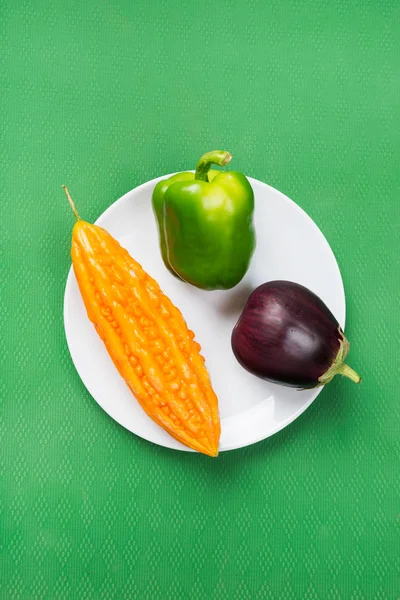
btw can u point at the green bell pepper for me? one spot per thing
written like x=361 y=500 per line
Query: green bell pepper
x=205 y=223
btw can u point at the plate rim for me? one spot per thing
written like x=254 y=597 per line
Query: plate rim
x=282 y=424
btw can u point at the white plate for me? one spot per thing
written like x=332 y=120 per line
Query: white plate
x=289 y=246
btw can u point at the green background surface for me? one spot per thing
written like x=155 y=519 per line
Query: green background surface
x=102 y=96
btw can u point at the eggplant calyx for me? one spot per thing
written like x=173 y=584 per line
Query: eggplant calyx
x=339 y=367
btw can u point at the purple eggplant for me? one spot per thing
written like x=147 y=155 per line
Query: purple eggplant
x=287 y=335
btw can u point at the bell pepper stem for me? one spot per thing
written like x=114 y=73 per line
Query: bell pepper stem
x=216 y=157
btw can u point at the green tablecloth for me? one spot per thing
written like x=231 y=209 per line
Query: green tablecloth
x=104 y=95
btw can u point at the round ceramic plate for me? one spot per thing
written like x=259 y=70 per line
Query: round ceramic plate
x=289 y=246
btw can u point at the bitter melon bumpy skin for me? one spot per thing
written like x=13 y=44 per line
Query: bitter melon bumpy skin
x=146 y=337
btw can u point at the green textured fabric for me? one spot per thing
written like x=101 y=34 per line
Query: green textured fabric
x=102 y=96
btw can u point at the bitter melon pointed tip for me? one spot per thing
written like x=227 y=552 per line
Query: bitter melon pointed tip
x=71 y=202
x=212 y=452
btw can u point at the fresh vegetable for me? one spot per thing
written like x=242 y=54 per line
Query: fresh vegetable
x=287 y=335
x=146 y=337
x=205 y=223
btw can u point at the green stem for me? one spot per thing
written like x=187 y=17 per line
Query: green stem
x=339 y=367
x=71 y=203
x=347 y=371
x=216 y=157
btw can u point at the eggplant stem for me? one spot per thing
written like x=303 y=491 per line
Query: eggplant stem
x=339 y=367
x=347 y=371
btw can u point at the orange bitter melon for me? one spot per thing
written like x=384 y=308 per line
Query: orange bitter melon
x=146 y=337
